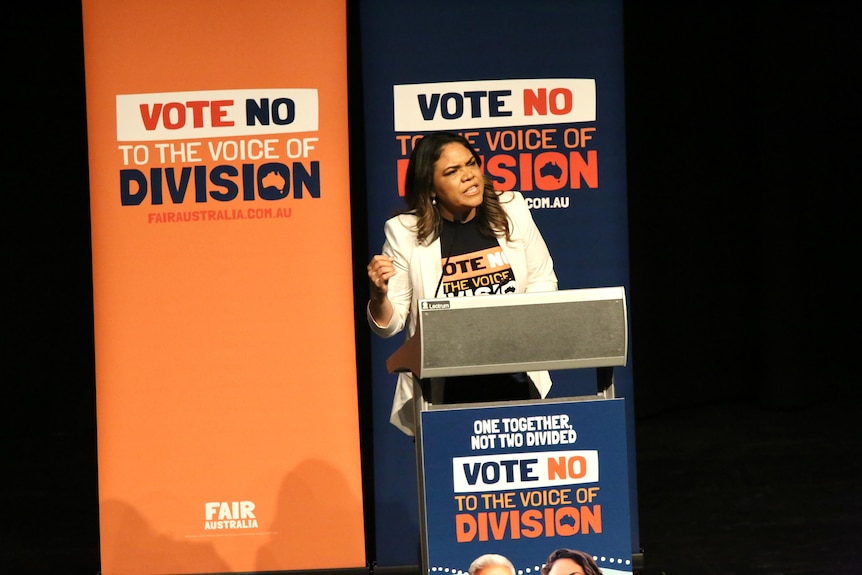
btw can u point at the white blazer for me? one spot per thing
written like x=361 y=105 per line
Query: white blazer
x=418 y=268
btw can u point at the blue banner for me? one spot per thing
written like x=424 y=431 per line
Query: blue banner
x=524 y=480
x=537 y=88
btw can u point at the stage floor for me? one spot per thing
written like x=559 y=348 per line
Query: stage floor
x=733 y=488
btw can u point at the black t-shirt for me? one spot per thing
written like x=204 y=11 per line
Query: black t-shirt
x=472 y=263
x=476 y=265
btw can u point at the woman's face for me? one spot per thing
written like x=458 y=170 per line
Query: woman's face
x=458 y=182
x=566 y=567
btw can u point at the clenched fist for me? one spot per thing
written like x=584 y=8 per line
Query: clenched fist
x=380 y=269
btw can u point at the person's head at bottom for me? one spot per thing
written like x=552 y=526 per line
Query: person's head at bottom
x=491 y=564
x=570 y=562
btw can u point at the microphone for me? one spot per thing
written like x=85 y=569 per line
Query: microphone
x=458 y=218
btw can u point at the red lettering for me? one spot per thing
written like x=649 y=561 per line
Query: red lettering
x=197 y=108
x=219 y=112
x=180 y=120
x=536 y=102
x=567 y=101
x=498 y=166
x=173 y=114
x=402 y=174
x=150 y=118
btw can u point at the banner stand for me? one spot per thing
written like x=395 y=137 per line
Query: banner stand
x=215 y=173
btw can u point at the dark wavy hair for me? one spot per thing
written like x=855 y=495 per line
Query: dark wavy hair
x=419 y=188
x=584 y=560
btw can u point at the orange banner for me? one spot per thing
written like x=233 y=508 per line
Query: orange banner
x=225 y=358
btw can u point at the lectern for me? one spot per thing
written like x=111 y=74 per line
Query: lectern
x=567 y=329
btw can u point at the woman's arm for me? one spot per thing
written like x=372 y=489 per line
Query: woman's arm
x=380 y=269
x=391 y=288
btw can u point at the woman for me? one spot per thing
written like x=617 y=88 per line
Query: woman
x=570 y=562
x=486 y=243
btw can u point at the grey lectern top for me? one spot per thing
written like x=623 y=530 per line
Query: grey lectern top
x=565 y=329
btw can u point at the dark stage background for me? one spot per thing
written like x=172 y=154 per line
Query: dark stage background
x=742 y=125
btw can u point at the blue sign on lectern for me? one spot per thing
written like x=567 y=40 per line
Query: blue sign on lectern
x=525 y=479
